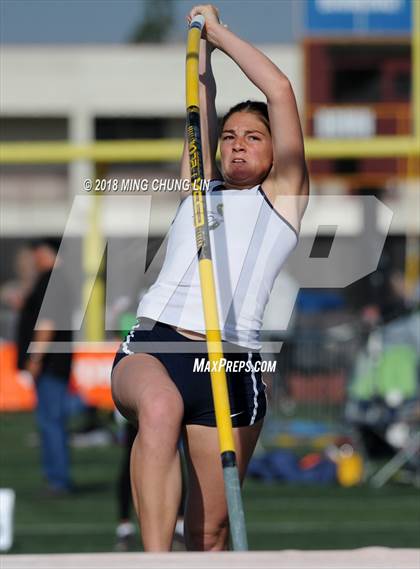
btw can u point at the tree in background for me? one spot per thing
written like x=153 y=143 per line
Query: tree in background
x=156 y=23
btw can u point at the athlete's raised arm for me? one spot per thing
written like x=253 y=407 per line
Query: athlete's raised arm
x=288 y=174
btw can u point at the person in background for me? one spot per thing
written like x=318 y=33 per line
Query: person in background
x=125 y=531
x=50 y=371
x=14 y=291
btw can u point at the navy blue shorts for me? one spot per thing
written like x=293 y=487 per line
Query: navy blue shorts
x=189 y=371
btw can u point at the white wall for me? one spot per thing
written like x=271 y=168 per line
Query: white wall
x=119 y=80
x=80 y=83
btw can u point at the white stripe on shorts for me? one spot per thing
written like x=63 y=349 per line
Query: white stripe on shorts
x=254 y=386
x=130 y=335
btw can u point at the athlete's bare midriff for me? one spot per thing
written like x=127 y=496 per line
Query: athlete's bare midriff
x=190 y=334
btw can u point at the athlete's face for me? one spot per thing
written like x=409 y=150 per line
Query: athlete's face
x=246 y=150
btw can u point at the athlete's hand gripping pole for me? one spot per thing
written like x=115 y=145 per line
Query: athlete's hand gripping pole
x=208 y=292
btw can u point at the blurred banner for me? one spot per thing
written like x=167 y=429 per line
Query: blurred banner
x=90 y=379
x=358 y=16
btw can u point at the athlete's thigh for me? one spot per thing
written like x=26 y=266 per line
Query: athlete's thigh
x=139 y=380
x=206 y=495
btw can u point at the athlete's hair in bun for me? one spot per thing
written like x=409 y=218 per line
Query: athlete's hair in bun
x=257 y=107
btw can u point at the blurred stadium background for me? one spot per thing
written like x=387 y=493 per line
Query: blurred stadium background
x=339 y=462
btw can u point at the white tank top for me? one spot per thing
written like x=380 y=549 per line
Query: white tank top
x=250 y=242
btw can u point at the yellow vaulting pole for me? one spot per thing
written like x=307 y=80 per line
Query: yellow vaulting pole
x=208 y=291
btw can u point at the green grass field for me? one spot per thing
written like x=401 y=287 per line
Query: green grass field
x=278 y=516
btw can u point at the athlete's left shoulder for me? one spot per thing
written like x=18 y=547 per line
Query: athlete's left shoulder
x=288 y=200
